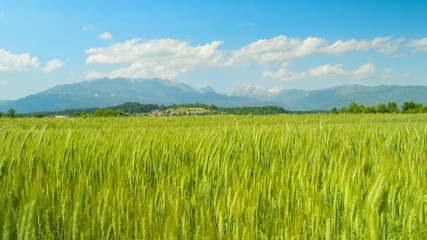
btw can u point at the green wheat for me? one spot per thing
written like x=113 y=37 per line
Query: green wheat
x=215 y=177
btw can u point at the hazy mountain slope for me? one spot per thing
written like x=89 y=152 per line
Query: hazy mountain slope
x=110 y=92
x=335 y=97
x=206 y=89
x=368 y=96
x=3 y=102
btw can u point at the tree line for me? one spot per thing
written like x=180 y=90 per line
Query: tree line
x=391 y=107
x=138 y=108
x=133 y=108
x=11 y=113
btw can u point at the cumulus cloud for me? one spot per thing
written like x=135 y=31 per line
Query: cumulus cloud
x=327 y=71
x=284 y=74
x=277 y=49
x=164 y=58
x=323 y=71
x=3 y=83
x=88 y=28
x=282 y=48
x=382 y=45
x=418 y=45
x=16 y=63
x=53 y=65
x=94 y=75
x=365 y=71
x=386 y=73
x=106 y=36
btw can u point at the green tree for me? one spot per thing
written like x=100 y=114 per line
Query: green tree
x=370 y=109
x=100 y=113
x=343 y=110
x=352 y=108
x=108 y=113
x=408 y=106
x=11 y=113
x=334 y=110
x=38 y=115
x=381 y=108
x=392 y=107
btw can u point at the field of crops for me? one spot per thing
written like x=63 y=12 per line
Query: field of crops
x=215 y=177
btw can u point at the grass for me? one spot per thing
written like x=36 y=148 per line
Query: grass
x=215 y=177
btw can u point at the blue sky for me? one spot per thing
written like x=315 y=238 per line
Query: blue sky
x=289 y=44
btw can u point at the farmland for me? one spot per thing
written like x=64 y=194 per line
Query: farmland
x=215 y=177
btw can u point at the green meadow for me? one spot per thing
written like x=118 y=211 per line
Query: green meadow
x=215 y=177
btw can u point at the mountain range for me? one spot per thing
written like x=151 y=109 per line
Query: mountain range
x=340 y=96
x=107 y=92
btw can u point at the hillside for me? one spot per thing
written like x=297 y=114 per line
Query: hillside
x=110 y=92
x=106 y=92
x=335 y=97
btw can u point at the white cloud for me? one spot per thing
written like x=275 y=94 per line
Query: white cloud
x=386 y=73
x=16 y=63
x=365 y=71
x=277 y=49
x=88 y=28
x=3 y=83
x=398 y=55
x=324 y=71
x=327 y=71
x=391 y=47
x=106 y=36
x=418 y=45
x=382 y=45
x=136 y=70
x=406 y=75
x=281 y=48
x=53 y=65
x=1 y=15
x=94 y=75
x=164 y=58
x=284 y=74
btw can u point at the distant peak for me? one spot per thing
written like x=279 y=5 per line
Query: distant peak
x=206 y=89
x=257 y=91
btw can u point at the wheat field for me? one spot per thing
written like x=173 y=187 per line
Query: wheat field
x=215 y=177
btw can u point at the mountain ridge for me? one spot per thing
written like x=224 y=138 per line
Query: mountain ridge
x=341 y=96
x=107 y=92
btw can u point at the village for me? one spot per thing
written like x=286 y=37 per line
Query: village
x=170 y=113
x=159 y=113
